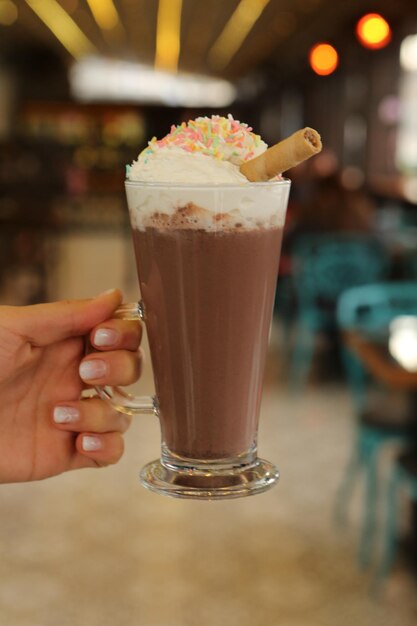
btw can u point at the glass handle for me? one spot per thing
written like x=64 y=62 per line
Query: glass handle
x=121 y=400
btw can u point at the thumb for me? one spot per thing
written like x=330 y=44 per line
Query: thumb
x=43 y=324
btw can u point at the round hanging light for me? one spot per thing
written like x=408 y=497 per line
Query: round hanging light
x=373 y=31
x=323 y=59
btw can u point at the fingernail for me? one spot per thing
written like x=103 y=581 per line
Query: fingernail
x=107 y=292
x=105 y=337
x=92 y=369
x=65 y=414
x=90 y=444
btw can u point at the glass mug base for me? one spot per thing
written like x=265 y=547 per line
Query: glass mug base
x=209 y=481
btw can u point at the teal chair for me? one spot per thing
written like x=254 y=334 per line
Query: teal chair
x=323 y=267
x=403 y=477
x=370 y=309
x=410 y=265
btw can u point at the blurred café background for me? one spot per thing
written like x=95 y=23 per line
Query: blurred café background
x=84 y=84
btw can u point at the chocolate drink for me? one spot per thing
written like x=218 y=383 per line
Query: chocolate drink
x=208 y=297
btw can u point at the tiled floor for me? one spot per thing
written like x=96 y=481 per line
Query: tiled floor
x=94 y=548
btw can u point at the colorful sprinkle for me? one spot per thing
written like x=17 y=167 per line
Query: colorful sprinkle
x=222 y=138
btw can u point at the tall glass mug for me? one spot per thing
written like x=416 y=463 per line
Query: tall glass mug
x=207 y=258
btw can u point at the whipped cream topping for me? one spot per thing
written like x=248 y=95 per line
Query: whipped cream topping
x=206 y=150
x=212 y=208
x=174 y=165
x=191 y=179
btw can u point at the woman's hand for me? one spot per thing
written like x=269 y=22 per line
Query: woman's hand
x=45 y=426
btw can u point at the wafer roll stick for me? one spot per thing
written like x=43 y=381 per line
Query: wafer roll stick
x=283 y=156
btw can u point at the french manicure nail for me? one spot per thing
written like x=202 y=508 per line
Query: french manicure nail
x=105 y=337
x=93 y=369
x=90 y=444
x=107 y=292
x=65 y=414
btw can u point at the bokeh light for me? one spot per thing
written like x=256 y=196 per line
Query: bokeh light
x=8 y=12
x=323 y=59
x=408 y=53
x=373 y=31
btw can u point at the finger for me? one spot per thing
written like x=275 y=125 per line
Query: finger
x=111 y=368
x=43 y=324
x=93 y=415
x=97 y=450
x=117 y=335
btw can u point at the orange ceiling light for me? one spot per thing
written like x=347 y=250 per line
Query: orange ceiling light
x=323 y=59
x=373 y=31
